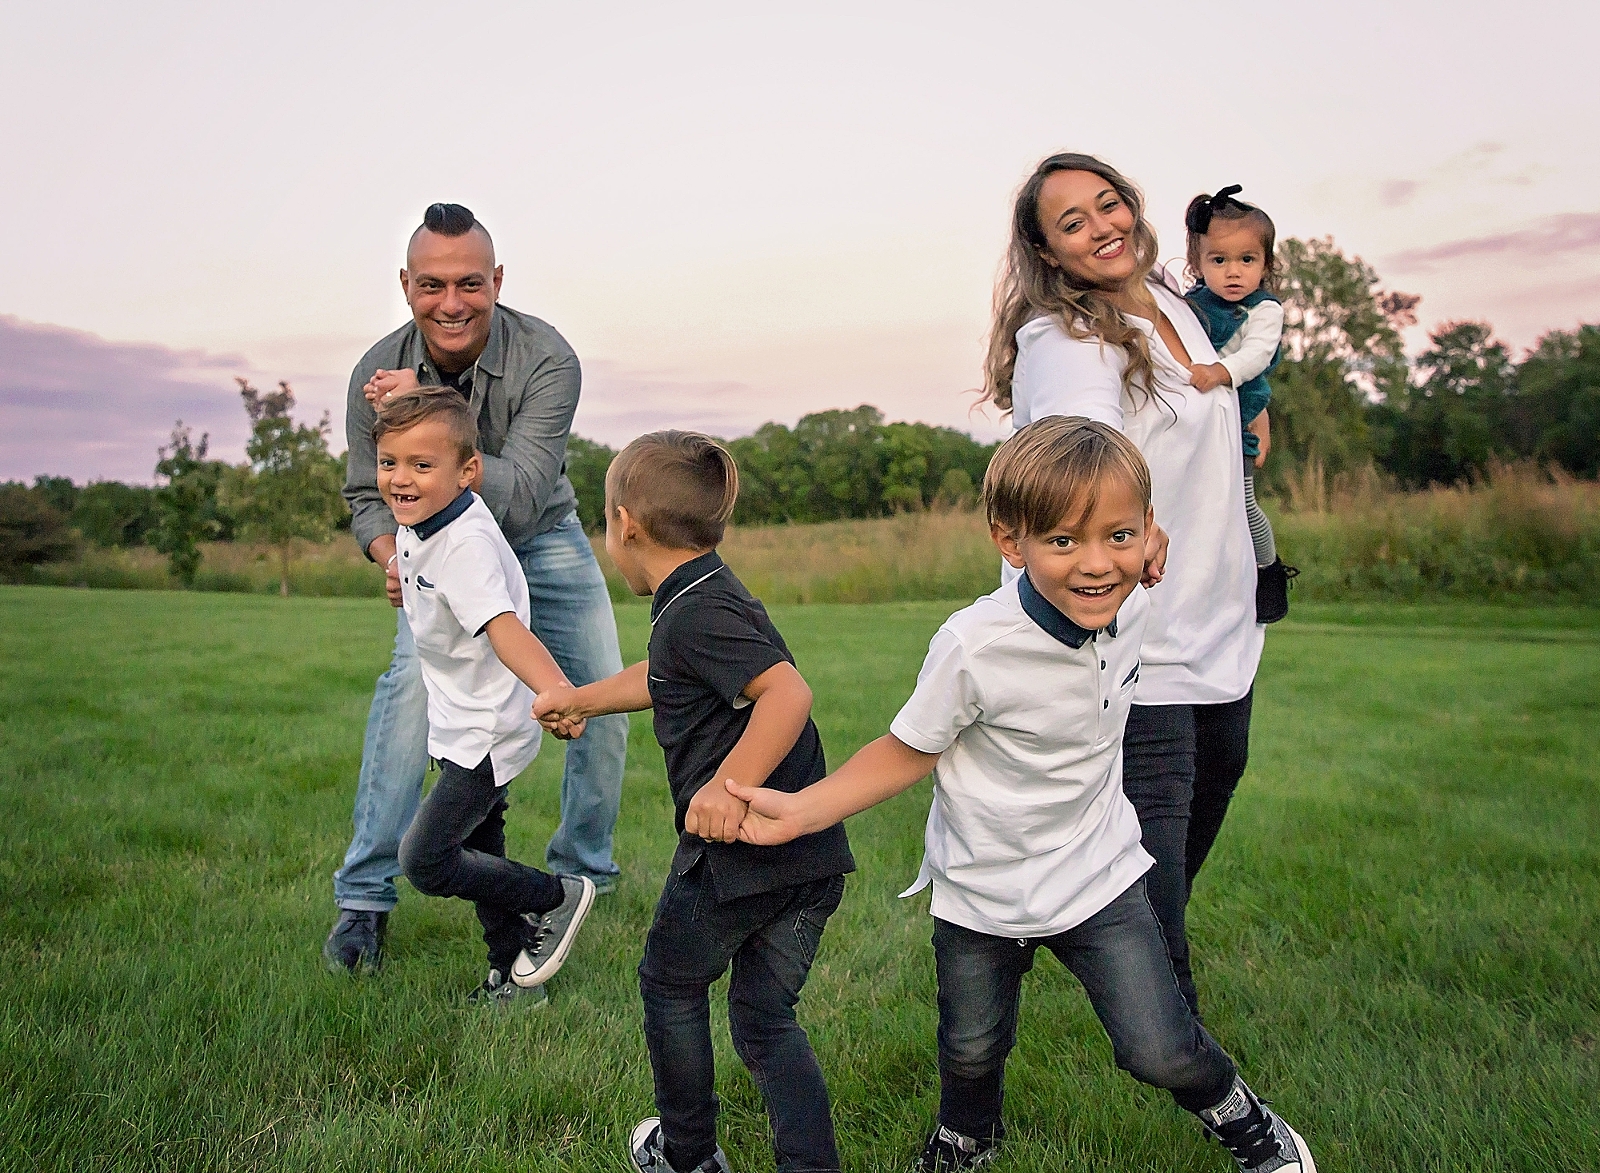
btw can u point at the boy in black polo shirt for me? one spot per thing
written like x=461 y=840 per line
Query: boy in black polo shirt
x=729 y=704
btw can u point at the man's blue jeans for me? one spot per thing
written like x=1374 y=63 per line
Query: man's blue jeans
x=1120 y=956
x=572 y=615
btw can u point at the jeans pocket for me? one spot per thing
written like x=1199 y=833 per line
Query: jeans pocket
x=812 y=918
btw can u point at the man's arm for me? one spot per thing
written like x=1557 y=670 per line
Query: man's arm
x=782 y=708
x=878 y=771
x=517 y=483
x=370 y=518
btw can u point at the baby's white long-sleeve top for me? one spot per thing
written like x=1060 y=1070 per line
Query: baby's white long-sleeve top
x=1250 y=350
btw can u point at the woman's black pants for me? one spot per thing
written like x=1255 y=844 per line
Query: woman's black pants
x=1180 y=766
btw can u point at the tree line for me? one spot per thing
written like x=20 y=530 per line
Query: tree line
x=1345 y=397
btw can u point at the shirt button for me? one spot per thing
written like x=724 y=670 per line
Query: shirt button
x=1107 y=705
x=1102 y=665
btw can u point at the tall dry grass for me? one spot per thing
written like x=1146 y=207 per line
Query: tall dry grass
x=1522 y=534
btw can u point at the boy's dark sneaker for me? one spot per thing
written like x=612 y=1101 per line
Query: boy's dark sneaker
x=1272 y=590
x=500 y=992
x=550 y=934
x=355 y=943
x=1258 y=1137
x=649 y=1151
x=947 y=1150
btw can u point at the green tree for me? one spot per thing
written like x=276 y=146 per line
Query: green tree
x=110 y=513
x=1559 y=400
x=181 y=515
x=586 y=469
x=32 y=532
x=1342 y=350
x=289 y=488
x=1456 y=416
x=59 y=492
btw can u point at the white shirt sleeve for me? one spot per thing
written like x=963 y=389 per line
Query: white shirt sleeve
x=945 y=701
x=1060 y=375
x=473 y=583
x=1250 y=350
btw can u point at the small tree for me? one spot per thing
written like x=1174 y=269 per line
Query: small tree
x=289 y=489
x=32 y=532
x=183 y=504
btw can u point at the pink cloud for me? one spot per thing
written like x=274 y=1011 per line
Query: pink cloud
x=1549 y=237
x=74 y=404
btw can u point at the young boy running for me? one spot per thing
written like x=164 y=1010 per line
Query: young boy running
x=729 y=705
x=1018 y=714
x=466 y=599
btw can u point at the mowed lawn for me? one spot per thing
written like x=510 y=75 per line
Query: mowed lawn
x=1396 y=936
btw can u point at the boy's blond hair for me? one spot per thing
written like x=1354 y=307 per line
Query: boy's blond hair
x=402 y=412
x=679 y=486
x=1051 y=471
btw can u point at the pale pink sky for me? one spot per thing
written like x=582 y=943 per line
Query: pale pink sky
x=733 y=213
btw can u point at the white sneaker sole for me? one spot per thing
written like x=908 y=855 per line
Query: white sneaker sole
x=641 y=1133
x=522 y=971
x=1307 y=1164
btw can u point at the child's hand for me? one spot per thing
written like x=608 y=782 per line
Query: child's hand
x=556 y=709
x=1209 y=376
x=1155 y=555
x=384 y=384
x=773 y=817
x=714 y=814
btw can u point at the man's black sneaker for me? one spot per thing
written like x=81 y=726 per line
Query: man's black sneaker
x=550 y=934
x=1272 y=590
x=500 y=992
x=648 y=1151
x=1258 y=1137
x=355 y=943
x=947 y=1150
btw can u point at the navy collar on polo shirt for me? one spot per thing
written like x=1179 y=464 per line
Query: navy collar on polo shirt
x=429 y=526
x=681 y=579
x=1048 y=616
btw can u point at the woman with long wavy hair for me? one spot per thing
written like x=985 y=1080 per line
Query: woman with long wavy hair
x=1084 y=325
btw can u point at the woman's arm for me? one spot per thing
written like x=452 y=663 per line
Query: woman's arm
x=878 y=771
x=1060 y=375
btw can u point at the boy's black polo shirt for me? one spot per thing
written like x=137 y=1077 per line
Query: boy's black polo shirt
x=709 y=637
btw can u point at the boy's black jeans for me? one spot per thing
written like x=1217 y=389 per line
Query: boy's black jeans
x=1120 y=956
x=771 y=940
x=456 y=846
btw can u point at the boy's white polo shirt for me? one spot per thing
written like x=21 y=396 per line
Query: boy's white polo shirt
x=1030 y=833
x=457 y=572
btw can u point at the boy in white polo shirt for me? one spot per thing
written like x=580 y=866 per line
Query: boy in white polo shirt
x=466 y=600
x=1018 y=713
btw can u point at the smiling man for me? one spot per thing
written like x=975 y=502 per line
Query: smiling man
x=521 y=380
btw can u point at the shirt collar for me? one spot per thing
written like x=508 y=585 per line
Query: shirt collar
x=1048 y=616
x=429 y=526
x=682 y=579
x=491 y=362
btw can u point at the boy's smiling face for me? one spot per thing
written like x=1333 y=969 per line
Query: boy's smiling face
x=1086 y=566
x=420 y=470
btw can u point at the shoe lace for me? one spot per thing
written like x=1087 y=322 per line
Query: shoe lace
x=1252 y=1139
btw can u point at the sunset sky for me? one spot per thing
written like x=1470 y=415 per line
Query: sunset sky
x=734 y=213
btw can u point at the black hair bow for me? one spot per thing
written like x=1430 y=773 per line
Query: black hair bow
x=1202 y=208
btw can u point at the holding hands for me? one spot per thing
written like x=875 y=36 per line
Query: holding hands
x=715 y=813
x=557 y=710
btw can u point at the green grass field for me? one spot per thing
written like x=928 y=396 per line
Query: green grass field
x=1397 y=936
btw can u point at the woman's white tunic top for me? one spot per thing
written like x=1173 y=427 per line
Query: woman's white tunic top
x=1202 y=644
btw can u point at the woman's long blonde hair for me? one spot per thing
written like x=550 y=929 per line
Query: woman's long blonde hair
x=1029 y=287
